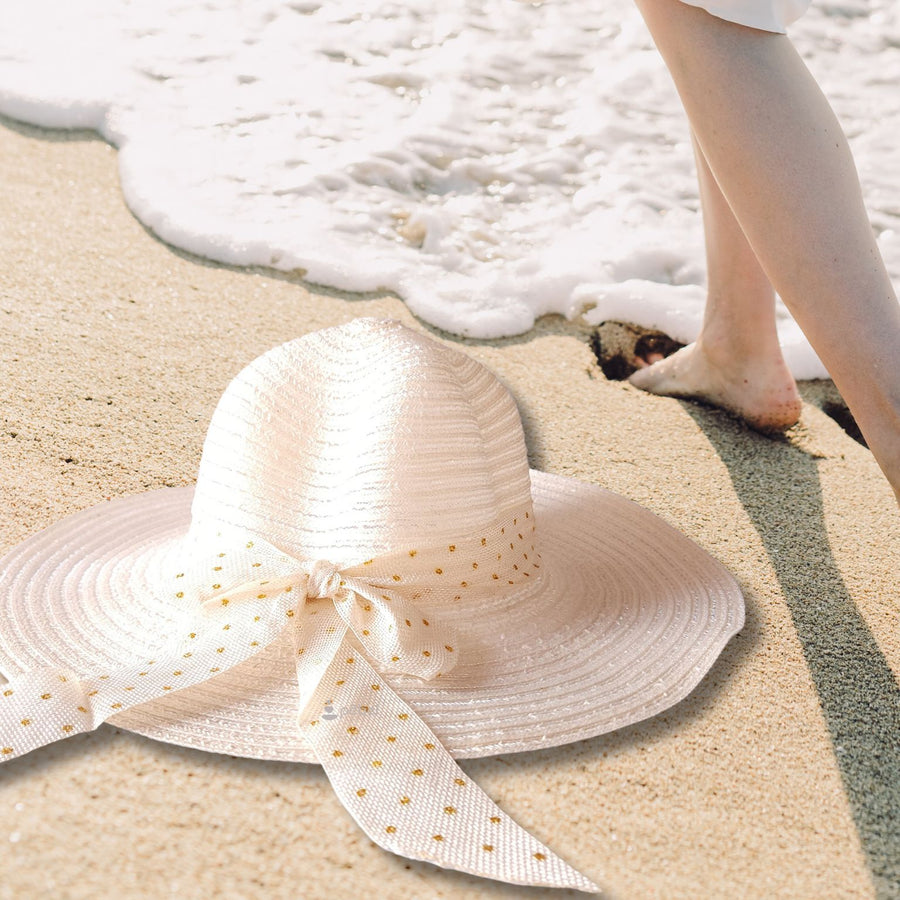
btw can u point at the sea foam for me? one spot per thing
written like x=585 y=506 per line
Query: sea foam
x=489 y=161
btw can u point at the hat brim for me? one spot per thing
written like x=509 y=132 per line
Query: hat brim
x=629 y=616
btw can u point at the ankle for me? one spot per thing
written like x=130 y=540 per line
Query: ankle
x=731 y=351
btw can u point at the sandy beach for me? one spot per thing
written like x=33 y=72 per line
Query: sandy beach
x=777 y=778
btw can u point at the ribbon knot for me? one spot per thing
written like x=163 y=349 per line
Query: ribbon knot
x=324 y=581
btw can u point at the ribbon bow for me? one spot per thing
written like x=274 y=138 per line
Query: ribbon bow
x=385 y=764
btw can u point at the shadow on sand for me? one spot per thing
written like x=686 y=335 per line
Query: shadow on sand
x=857 y=691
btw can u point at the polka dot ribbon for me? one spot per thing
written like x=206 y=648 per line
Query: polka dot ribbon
x=386 y=766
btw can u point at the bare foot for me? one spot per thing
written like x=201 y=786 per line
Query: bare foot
x=763 y=394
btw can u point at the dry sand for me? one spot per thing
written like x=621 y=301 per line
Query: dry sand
x=778 y=777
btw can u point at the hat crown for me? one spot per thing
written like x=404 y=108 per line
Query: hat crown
x=361 y=440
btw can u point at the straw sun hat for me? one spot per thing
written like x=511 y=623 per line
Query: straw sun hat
x=367 y=576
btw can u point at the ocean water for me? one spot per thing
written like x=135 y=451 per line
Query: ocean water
x=489 y=161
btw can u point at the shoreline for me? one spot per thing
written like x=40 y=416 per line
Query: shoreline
x=115 y=349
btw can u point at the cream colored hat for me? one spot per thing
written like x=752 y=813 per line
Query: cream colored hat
x=366 y=576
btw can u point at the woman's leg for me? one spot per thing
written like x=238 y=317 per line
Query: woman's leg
x=784 y=165
x=736 y=361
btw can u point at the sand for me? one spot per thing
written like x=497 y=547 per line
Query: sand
x=778 y=777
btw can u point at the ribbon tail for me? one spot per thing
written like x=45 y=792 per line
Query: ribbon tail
x=45 y=705
x=404 y=789
x=40 y=707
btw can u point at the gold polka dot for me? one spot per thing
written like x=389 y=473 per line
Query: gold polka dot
x=452 y=548
x=395 y=658
x=187 y=655
x=417 y=772
x=254 y=643
x=91 y=693
x=488 y=847
x=118 y=705
x=192 y=635
x=539 y=856
x=474 y=565
x=216 y=586
x=464 y=584
x=180 y=594
x=352 y=730
x=361 y=792
x=217 y=568
x=260 y=596
x=351 y=659
x=130 y=688
x=426 y=653
x=403 y=716
x=46 y=696
x=214 y=669
x=81 y=709
x=428 y=746
x=221 y=555
x=450 y=810
x=425 y=622
x=7 y=693
x=404 y=800
x=366 y=632
x=413 y=552
x=448 y=648
x=301 y=651
x=368 y=562
x=391 y=738
x=220 y=650
x=6 y=751
x=337 y=753
x=376 y=687
x=495 y=576
x=68 y=728
x=339 y=683
x=249 y=544
x=102 y=677
x=26 y=721
x=484 y=541
x=390 y=829
x=459 y=781
x=290 y=614
x=167 y=687
x=287 y=590
x=180 y=575
x=438 y=837
x=408 y=623
x=395 y=577
x=495 y=819
x=376 y=763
